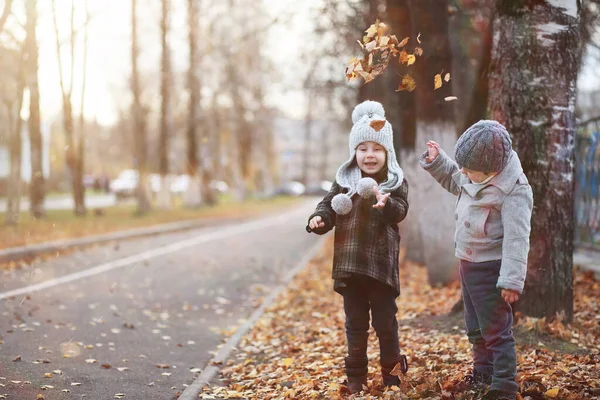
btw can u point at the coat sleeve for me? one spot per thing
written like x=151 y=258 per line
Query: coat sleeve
x=396 y=208
x=443 y=169
x=516 y=219
x=325 y=211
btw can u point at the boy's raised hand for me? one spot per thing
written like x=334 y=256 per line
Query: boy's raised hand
x=381 y=198
x=316 y=222
x=433 y=150
x=510 y=296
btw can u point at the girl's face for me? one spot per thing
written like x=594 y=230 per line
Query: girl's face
x=475 y=176
x=370 y=157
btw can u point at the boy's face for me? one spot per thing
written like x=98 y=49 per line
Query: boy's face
x=370 y=157
x=475 y=176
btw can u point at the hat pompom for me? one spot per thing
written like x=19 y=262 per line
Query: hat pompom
x=364 y=187
x=367 y=108
x=341 y=204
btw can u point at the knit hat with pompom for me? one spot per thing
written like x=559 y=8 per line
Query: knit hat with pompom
x=349 y=175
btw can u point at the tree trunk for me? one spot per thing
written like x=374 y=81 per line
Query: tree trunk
x=164 y=200
x=433 y=206
x=80 y=208
x=37 y=191
x=139 y=122
x=532 y=92
x=401 y=112
x=15 y=126
x=193 y=195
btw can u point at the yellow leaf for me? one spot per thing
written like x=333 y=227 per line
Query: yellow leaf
x=403 y=42
x=288 y=362
x=377 y=124
x=411 y=59
x=372 y=31
x=437 y=81
x=552 y=393
x=447 y=77
x=408 y=83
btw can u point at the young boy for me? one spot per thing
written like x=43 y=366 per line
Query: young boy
x=493 y=214
x=365 y=204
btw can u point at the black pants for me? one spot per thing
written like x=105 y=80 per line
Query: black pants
x=361 y=296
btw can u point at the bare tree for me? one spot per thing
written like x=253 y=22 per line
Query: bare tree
x=5 y=13
x=73 y=143
x=164 y=194
x=532 y=91
x=139 y=121
x=12 y=85
x=37 y=191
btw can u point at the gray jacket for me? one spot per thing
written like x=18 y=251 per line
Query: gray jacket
x=492 y=220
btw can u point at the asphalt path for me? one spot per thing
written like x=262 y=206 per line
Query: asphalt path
x=140 y=318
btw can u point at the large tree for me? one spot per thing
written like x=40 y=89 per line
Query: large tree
x=37 y=191
x=532 y=92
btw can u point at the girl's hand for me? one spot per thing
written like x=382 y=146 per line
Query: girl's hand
x=433 y=150
x=381 y=198
x=510 y=296
x=316 y=222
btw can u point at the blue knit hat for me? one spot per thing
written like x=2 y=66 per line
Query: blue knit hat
x=485 y=147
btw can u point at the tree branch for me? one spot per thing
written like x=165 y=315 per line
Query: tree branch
x=5 y=13
x=60 y=71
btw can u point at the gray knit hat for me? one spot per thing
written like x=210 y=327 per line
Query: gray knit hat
x=485 y=147
x=349 y=175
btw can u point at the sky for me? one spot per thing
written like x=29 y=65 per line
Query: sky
x=109 y=53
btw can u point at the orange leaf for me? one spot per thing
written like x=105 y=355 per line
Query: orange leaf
x=377 y=124
x=437 y=81
x=408 y=83
x=403 y=57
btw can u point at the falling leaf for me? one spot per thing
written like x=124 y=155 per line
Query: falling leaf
x=411 y=59
x=552 y=393
x=403 y=42
x=418 y=51
x=408 y=83
x=403 y=57
x=370 y=46
x=419 y=38
x=383 y=41
x=372 y=31
x=437 y=81
x=361 y=45
x=451 y=98
x=377 y=124
x=447 y=77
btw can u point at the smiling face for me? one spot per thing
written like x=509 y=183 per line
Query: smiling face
x=475 y=176
x=370 y=157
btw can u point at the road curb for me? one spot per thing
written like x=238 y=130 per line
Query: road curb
x=193 y=391
x=26 y=252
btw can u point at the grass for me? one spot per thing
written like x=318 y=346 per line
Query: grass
x=62 y=224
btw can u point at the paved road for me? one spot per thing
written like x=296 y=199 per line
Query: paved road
x=66 y=202
x=106 y=317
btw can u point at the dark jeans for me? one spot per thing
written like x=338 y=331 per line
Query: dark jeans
x=361 y=296
x=489 y=325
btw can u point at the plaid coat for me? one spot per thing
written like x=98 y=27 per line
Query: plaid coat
x=367 y=240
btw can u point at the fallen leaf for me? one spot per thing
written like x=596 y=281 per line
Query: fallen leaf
x=377 y=124
x=163 y=366
x=17 y=358
x=105 y=366
x=552 y=393
x=91 y=361
x=288 y=362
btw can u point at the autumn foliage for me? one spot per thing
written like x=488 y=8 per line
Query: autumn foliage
x=297 y=349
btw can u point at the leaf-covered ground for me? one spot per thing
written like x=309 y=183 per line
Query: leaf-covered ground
x=296 y=350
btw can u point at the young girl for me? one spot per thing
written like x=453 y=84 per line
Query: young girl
x=493 y=214
x=365 y=204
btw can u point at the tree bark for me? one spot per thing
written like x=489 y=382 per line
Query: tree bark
x=139 y=122
x=164 y=192
x=37 y=191
x=532 y=92
x=433 y=206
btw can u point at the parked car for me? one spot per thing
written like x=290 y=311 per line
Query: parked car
x=291 y=188
x=125 y=184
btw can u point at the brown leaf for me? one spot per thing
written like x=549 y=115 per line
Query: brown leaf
x=106 y=366
x=377 y=124
x=418 y=51
x=163 y=366
x=437 y=81
x=403 y=57
x=403 y=42
x=397 y=370
x=408 y=83
x=17 y=358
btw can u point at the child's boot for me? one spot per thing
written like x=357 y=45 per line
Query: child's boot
x=356 y=371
